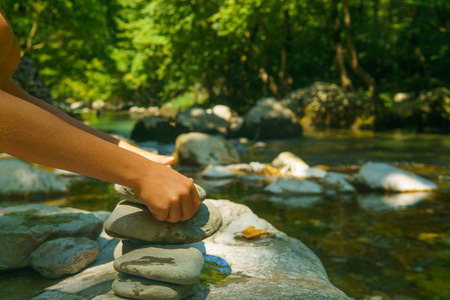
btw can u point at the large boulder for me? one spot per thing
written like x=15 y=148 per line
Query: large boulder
x=269 y=119
x=381 y=176
x=200 y=149
x=157 y=128
x=324 y=105
x=271 y=267
x=24 y=228
x=199 y=120
x=432 y=110
x=18 y=177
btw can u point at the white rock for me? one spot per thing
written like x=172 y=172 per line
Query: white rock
x=224 y=112
x=293 y=186
x=217 y=172
x=18 y=177
x=290 y=160
x=388 y=178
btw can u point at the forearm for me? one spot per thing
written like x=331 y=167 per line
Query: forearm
x=35 y=134
x=12 y=88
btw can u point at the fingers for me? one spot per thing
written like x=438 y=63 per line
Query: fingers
x=160 y=215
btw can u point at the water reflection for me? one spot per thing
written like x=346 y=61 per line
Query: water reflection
x=380 y=202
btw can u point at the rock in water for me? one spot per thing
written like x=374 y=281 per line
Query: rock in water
x=293 y=186
x=24 y=228
x=18 y=177
x=180 y=266
x=128 y=194
x=56 y=258
x=200 y=149
x=381 y=176
x=140 y=288
x=135 y=222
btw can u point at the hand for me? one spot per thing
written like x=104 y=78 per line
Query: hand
x=168 y=195
x=165 y=160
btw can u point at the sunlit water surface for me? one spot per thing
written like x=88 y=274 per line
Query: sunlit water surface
x=373 y=246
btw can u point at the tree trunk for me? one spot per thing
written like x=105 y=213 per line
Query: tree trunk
x=344 y=79
x=353 y=55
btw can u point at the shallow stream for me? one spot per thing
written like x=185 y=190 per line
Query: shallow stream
x=373 y=246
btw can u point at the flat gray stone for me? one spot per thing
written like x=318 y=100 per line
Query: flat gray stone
x=141 y=288
x=131 y=221
x=181 y=266
x=56 y=258
x=24 y=228
x=128 y=193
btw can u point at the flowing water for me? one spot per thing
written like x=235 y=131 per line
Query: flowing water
x=373 y=246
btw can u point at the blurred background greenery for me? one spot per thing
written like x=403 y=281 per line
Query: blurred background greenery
x=232 y=52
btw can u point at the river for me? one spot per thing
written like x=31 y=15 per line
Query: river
x=373 y=246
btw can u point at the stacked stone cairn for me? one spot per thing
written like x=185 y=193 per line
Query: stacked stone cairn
x=154 y=259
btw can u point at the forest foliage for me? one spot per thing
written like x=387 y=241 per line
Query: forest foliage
x=231 y=51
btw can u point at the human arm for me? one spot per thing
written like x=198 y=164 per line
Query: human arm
x=12 y=88
x=32 y=133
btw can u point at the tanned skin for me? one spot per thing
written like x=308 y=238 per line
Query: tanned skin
x=33 y=130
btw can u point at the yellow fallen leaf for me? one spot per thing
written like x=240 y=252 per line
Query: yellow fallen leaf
x=428 y=236
x=252 y=233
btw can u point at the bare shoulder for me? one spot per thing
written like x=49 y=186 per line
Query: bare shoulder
x=6 y=37
x=9 y=50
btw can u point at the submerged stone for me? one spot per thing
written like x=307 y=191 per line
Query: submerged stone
x=181 y=266
x=131 y=221
x=293 y=186
x=141 y=288
x=19 y=177
x=56 y=258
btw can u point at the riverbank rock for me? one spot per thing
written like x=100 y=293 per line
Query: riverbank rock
x=381 y=176
x=223 y=111
x=157 y=128
x=200 y=149
x=196 y=119
x=56 y=258
x=432 y=110
x=19 y=177
x=324 y=105
x=27 y=76
x=293 y=186
x=147 y=229
x=269 y=119
x=277 y=267
x=24 y=228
